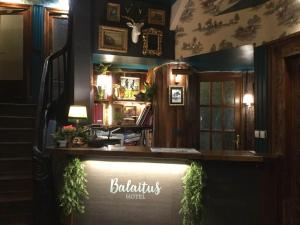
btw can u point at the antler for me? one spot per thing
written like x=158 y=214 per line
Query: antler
x=128 y=18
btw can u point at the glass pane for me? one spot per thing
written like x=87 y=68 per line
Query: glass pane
x=11 y=47
x=217 y=93
x=204 y=93
x=204 y=140
x=204 y=118
x=229 y=90
x=229 y=118
x=217 y=141
x=216 y=118
x=229 y=141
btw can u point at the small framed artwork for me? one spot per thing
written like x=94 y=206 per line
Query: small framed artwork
x=130 y=86
x=113 y=12
x=113 y=39
x=156 y=16
x=176 y=95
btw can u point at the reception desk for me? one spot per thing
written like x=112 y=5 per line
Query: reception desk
x=142 y=186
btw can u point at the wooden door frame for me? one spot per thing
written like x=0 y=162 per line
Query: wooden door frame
x=27 y=45
x=224 y=76
x=50 y=13
x=277 y=89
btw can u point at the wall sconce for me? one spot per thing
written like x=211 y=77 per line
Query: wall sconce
x=177 y=79
x=77 y=112
x=104 y=86
x=248 y=99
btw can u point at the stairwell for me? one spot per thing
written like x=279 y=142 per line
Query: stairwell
x=16 y=180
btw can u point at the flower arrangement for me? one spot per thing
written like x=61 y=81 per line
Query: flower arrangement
x=65 y=132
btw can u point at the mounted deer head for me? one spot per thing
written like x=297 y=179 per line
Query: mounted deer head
x=136 y=29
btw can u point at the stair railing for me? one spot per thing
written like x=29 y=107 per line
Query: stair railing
x=54 y=96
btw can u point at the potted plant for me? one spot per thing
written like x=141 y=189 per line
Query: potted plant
x=64 y=135
x=74 y=190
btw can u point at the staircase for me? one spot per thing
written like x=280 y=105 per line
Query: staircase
x=16 y=180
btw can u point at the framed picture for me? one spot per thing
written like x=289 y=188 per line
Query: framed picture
x=176 y=95
x=129 y=87
x=113 y=39
x=156 y=16
x=113 y=12
x=152 y=42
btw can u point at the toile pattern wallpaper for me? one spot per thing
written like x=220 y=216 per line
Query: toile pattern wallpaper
x=212 y=25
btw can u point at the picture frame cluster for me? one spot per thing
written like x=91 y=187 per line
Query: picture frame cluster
x=115 y=39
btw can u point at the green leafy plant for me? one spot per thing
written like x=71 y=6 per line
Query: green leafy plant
x=74 y=190
x=64 y=132
x=150 y=91
x=192 y=200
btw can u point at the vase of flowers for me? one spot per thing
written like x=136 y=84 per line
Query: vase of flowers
x=64 y=136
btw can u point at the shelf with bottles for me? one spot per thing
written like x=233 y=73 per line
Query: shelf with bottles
x=120 y=97
x=121 y=86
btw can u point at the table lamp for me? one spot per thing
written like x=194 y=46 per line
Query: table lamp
x=77 y=112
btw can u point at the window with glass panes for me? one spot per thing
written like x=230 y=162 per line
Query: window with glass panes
x=220 y=112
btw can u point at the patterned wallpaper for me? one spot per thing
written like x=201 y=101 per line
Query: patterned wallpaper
x=212 y=25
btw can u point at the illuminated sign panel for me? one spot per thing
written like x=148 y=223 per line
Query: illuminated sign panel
x=133 y=193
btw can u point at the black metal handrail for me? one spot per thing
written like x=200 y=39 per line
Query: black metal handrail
x=53 y=97
x=46 y=96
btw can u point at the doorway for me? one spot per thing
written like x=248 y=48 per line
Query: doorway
x=220 y=111
x=15 y=47
x=292 y=163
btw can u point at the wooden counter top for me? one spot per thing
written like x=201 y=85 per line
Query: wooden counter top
x=145 y=152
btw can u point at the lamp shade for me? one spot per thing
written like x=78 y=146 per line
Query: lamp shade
x=77 y=111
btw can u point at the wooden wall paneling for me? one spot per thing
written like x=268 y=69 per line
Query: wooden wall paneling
x=192 y=118
x=281 y=122
x=248 y=113
x=169 y=121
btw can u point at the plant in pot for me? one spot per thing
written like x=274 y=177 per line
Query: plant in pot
x=81 y=136
x=64 y=135
x=74 y=190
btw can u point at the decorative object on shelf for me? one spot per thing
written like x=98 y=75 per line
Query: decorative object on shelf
x=152 y=42
x=156 y=16
x=113 y=12
x=113 y=39
x=74 y=189
x=192 y=200
x=136 y=29
x=131 y=86
x=150 y=90
x=176 y=95
x=81 y=136
x=104 y=86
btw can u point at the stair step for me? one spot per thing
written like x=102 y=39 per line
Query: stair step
x=17 y=109
x=15 y=165
x=17 y=204
x=16 y=183
x=16 y=134
x=17 y=122
x=13 y=149
x=18 y=219
x=15 y=197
